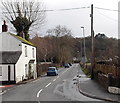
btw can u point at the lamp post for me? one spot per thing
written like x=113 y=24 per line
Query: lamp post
x=81 y=49
x=84 y=44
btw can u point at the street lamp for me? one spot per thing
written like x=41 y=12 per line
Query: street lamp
x=84 y=44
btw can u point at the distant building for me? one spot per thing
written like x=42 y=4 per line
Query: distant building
x=18 y=60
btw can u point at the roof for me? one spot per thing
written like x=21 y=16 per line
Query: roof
x=22 y=39
x=10 y=57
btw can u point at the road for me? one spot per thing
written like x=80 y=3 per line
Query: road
x=49 y=88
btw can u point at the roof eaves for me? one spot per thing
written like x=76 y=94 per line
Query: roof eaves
x=22 y=40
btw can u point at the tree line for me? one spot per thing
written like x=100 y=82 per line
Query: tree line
x=59 y=46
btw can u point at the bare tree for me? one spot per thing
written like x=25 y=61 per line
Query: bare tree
x=42 y=48
x=63 y=38
x=23 y=15
x=59 y=31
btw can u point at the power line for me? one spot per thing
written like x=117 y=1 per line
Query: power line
x=54 y=10
x=107 y=16
x=71 y=9
x=106 y=9
x=68 y=9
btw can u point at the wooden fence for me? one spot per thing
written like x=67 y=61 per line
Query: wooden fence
x=108 y=69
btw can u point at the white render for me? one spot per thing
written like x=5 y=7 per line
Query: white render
x=23 y=61
x=11 y=43
x=4 y=76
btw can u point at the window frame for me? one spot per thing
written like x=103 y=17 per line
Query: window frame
x=26 y=55
x=33 y=52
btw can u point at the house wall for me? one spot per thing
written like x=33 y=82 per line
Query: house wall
x=9 y=43
x=23 y=60
x=4 y=76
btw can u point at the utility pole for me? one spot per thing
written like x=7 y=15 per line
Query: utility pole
x=92 y=37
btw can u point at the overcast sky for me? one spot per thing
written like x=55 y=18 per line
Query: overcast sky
x=105 y=21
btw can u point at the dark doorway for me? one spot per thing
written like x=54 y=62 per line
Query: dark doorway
x=8 y=74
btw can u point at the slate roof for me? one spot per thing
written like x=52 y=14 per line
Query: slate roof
x=9 y=57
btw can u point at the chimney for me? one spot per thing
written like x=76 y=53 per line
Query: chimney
x=4 y=27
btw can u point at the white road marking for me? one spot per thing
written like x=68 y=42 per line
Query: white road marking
x=48 y=85
x=3 y=92
x=39 y=92
x=63 y=72
x=57 y=76
x=66 y=70
x=54 y=80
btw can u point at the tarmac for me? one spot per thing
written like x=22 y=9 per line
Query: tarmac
x=5 y=88
x=86 y=86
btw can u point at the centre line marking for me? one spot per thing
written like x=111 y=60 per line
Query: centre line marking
x=48 y=85
x=54 y=80
x=57 y=76
x=39 y=92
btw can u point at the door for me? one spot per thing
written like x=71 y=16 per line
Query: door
x=9 y=74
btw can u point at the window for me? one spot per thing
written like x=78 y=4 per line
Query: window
x=25 y=51
x=33 y=52
x=26 y=70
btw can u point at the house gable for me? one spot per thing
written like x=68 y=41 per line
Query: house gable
x=9 y=43
x=22 y=40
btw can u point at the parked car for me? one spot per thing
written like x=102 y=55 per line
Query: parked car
x=70 y=64
x=66 y=65
x=52 y=71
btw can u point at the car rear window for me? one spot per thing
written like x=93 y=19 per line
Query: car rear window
x=51 y=68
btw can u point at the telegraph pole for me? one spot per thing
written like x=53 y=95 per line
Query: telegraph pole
x=92 y=37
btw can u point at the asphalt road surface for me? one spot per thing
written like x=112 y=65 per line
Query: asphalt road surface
x=62 y=87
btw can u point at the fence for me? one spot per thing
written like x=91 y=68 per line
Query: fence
x=108 y=69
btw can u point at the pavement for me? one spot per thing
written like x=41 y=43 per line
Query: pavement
x=93 y=89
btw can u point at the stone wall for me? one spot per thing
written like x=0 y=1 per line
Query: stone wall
x=110 y=83
x=103 y=80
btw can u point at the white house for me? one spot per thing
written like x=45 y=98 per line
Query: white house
x=18 y=58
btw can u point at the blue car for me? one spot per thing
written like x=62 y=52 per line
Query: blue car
x=66 y=65
x=52 y=71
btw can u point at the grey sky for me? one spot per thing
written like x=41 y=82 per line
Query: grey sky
x=104 y=21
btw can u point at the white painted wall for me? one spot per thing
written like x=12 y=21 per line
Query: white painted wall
x=9 y=43
x=12 y=72
x=20 y=73
x=4 y=76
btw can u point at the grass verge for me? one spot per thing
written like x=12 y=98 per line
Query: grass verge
x=87 y=73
